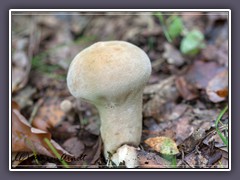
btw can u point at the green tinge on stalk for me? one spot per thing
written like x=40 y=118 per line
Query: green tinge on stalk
x=172 y=159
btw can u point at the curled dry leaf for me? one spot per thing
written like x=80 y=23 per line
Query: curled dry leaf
x=48 y=115
x=162 y=144
x=209 y=76
x=200 y=73
x=28 y=139
x=217 y=89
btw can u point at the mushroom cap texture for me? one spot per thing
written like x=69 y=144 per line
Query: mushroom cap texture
x=108 y=71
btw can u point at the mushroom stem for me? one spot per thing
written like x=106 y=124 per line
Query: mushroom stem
x=128 y=119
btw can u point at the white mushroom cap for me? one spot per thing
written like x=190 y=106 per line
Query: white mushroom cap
x=111 y=75
x=106 y=69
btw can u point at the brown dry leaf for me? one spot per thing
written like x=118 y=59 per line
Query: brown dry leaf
x=172 y=55
x=196 y=161
x=175 y=111
x=93 y=154
x=65 y=130
x=20 y=70
x=187 y=90
x=24 y=96
x=151 y=160
x=93 y=149
x=217 y=53
x=98 y=149
x=218 y=143
x=21 y=63
x=48 y=115
x=28 y=139
x=15 y=105
x=74 y=146
x=165 y=88
x=217 y=89
x=164 y=145
x=209 y=53
x=183 y=128
x=159 y=93
x=200 y=73
x=153 y=107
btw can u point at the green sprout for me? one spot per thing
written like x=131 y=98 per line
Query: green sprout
x=224 y=139
x=192 y=41
x=55 y=152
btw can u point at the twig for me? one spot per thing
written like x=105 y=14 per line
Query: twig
x=35 y=110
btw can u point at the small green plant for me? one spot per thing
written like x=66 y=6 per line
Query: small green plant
x=192 y=43
x=55 y=152
x=48 y=69
x=224 y=139
x=172 y=159
x=169 y=150
x=29 y=142
x=173 y=27
x=150 y=43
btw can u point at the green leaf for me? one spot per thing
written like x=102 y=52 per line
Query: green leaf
x=168 y=147
x=175 y=26
x=192 y=43
x=224 y=139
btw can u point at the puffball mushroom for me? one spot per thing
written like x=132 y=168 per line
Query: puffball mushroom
x=111 y=75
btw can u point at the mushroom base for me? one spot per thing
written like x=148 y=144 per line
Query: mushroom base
x=121 y=125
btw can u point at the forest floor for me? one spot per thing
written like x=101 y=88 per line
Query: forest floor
x=184 y=100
